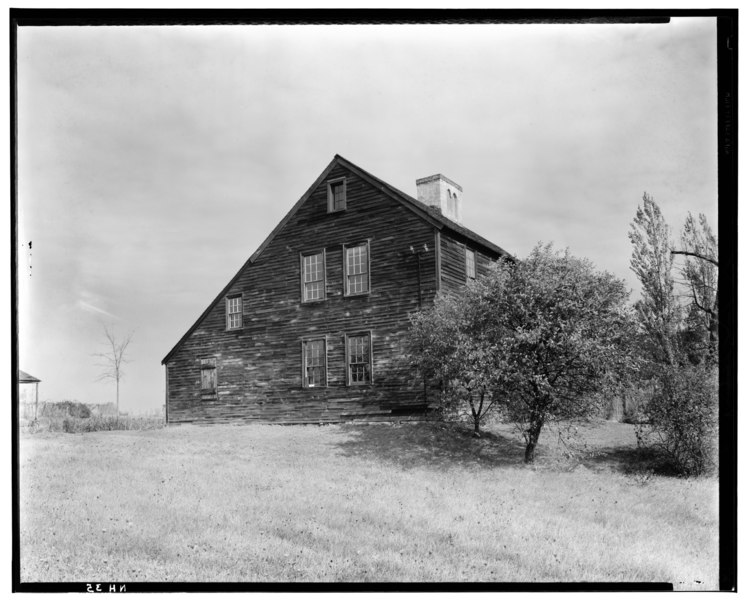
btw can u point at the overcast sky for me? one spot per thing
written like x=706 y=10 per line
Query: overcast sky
x=153 y=161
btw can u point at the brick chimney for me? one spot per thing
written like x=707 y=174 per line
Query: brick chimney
x=441 y=194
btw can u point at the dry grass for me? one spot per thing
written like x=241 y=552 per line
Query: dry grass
x=69 y=424
x=413 y=502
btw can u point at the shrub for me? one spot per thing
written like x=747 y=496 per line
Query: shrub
x=627 y=404
x=73 y=425
x=66 y=408
x=682 y=418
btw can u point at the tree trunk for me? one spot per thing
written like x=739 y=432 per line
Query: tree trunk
x=478 y=415
x=475 y=416
x=533 y=434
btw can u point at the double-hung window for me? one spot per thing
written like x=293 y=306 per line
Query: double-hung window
x=313 y=268
x=337 y=195
x=314 y=363
x=208 y=376
x=470 y=258
x=235 y=312
x=357 y=269
x=359 y=360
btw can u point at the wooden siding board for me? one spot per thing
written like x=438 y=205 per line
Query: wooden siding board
x=338 y=163
x=452 y=262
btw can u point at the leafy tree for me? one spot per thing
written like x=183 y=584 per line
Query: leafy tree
x=700 y=270
x=558 y=328
x=539 y=335
x=682 y=411
x=448 y=346
x=113 y=359
x=652 y=261
x=682 y=417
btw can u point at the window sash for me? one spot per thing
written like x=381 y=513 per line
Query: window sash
x=359 y=360
x=314 y=276
x=234 y=312
x=471 y=264
x=338 y=200
x=337 y=195
x=357 y=260
x=314 y=363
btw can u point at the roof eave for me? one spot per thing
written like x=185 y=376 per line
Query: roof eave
x=253 y=256
x=404 y=199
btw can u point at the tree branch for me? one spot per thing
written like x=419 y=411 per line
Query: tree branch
x=697 y=255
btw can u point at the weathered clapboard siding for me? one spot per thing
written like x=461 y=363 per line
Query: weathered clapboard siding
x=259 y=367
x=453 y=266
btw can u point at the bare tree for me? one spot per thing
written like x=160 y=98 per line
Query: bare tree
x=113 y=359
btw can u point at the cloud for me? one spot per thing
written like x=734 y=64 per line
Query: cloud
x=90 y=308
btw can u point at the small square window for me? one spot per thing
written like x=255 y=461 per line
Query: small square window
x=471 y=264
x=337 y=195
x=313 y=270
x=357 y=270
x=235 y=312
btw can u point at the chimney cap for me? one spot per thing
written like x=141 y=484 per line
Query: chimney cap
x=437 y=177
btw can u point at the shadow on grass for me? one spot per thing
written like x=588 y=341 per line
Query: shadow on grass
x=630 y=461
x=443 y=445
x=432 y=445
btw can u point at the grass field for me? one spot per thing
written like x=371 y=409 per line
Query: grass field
x=411 y=502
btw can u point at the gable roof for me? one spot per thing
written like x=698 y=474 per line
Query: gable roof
x=24 y=377
x=434 y=218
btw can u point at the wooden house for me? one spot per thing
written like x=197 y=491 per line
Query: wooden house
x=313 y=327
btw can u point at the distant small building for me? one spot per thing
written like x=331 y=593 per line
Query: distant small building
x=28 y=395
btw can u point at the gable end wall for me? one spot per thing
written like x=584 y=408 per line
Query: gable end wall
x=259 y=367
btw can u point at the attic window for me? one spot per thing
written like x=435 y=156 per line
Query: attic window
x=337 y=195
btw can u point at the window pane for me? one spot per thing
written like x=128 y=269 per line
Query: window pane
x=314 y=291
x=234 y=312
x=315 y=363
x=358 y=284
x=313 y=272
x=337 y=195
x=357 y=260
x=359 y=359
x=313 y=267
x=357 y=269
